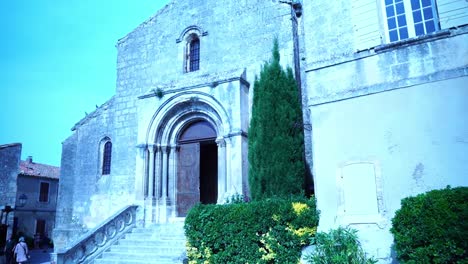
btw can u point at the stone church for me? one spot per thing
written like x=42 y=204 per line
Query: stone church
x=384 y=86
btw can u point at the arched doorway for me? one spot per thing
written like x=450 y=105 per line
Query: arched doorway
x=197 y=174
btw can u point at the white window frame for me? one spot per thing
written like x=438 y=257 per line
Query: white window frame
x=409 y=19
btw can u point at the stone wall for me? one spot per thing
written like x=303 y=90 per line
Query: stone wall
x=10 y=156
x=236 y=38
x=387 y=121
x=34 y=210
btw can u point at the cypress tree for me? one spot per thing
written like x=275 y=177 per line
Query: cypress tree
x=276 y=138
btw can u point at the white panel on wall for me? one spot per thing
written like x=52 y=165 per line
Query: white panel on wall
x=360 y=192
x=365 y=19
x=452 y=13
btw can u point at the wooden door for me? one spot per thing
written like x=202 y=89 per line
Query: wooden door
x=188 y=178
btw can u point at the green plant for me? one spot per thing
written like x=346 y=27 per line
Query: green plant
x=236 y=198
x=159 y=92
x=432 y=227
x=276 y=137
x=337 y=247
x=267 y=231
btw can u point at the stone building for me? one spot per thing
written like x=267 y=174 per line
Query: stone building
x=10 y=156
x=28 y=197
x=385 y=100
x=385 y=87
x=175 y=132
x=36 y=199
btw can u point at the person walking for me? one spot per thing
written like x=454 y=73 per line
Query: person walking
x=21 y=251
x=9 y=246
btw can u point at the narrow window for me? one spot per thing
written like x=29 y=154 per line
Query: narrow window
x=193 y=56
x=410 y=18
x=44 y=192
x=106 y=160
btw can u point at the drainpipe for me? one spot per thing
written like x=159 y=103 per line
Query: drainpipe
x=296 y=12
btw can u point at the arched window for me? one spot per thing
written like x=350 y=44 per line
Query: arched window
x=106 y=158
x=193 y=53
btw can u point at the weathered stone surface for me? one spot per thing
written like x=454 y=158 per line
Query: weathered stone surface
x=384 y=118
x=10 y=156
x=156 y=99
x=387 y=121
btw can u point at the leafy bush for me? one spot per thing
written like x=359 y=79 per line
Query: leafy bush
x=432 y=227
x=266 y=231
x=338 y=246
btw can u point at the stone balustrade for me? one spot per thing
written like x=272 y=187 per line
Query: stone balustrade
x=93 y=243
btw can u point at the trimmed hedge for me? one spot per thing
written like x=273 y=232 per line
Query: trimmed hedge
x=266 y=231
x=432 y=227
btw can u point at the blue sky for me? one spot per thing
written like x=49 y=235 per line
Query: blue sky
x=57 y=61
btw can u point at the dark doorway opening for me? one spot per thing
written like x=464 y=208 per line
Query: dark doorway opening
x=197 y=176
x=208 y=172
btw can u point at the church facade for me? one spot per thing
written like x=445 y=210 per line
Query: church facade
x=384 y=115
x=175 y=132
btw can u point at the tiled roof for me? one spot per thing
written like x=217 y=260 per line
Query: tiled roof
x=28 y=167
x=10 y=145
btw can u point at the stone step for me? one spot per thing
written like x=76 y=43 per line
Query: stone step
x=154 y=243
x=139 y=255
x=131 y=261
x=177 y=229
x=156 y=234
x=147 y=248
x=161 y=244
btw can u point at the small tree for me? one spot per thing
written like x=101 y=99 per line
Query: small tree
x=276 y=138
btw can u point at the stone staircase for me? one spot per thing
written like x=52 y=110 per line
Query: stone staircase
x=159 y=244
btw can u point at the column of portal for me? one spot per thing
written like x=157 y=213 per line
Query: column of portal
x=157 y=172
x=230 y=188
x=151 y=172
x=157 y=183
x=163 y=202
x=222 y=181
x=172 y=179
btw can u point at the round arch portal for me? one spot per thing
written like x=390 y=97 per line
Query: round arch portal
x=186 y=155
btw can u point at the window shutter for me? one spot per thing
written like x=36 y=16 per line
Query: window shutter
x=452 y=13
x=366 y=26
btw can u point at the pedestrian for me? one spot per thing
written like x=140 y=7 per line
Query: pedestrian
x=9 y=246
x=21 y=251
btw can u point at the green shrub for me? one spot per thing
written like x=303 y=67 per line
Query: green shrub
x=267 y=231
x=276 y=136
x=337 y=247
x=432 y=227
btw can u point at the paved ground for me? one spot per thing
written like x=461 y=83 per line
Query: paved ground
x=39 y=256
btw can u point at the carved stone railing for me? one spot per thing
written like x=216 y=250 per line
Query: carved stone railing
x=89 y=246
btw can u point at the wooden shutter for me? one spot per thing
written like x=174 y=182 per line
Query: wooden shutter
x=452 y=13
x=366 y=26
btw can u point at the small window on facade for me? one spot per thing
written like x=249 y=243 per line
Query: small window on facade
x=193 y=54
x=410 y=18
x=44 y=192
x=106 y=158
